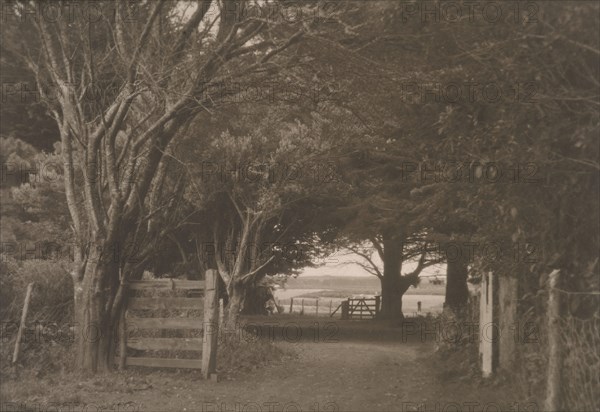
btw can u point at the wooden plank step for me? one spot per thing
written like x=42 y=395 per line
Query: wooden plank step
x=165 y=303
x=134 y=323
x=165 y=343
x=162 y=362
x=166 y=284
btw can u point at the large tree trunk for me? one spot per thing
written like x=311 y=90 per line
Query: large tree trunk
x=92 y=329
x=391 y=285
x=255 y=299
x=97 y=302
x=457 y=292
x=234 y=306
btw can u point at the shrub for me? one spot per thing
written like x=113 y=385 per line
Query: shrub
x=52 y=297
x=43 y=345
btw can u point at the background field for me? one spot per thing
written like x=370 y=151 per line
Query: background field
x=331 y=290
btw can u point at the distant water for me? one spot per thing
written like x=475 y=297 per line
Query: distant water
x=290 y=293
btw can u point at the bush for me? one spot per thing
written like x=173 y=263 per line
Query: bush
x=52 y=297
x=458 y=354
x=50 y=312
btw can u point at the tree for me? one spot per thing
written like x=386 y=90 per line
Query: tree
x=394 y=283
x=542 y=122
x=258 y=190
x=525 y=156
x=379 y=210
x=153 y=72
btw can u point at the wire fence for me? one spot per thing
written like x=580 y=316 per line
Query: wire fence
x=46 y=342
x=580 y=341
x=309 y=306
x=578 y=329
x=579 y=349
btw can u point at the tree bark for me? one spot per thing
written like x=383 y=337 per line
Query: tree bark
x=94 y=305
x=256 y=296
x=457 y=292
x=391 y=285
x=234 y=307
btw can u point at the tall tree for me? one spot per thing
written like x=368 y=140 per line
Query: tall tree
x=258 y=188
x=153 y=70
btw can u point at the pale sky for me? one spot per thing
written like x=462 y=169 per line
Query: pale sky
x=340 y=264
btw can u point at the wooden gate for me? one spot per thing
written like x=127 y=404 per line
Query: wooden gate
x=360 y=308
x=165 y=309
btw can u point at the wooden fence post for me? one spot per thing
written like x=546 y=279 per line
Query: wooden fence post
x=221 y=314
x=330 y=306
x=553 y=384
x=22 y=325
x=122 y=339
x=302 y=311
x=507 y=319
x=291 y=305
x=211 y=324
x=317 y=310
x=345 y=309
x=377 y=305
x=486 y=324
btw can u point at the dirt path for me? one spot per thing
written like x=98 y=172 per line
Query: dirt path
x=364 y=366
x=342 y=376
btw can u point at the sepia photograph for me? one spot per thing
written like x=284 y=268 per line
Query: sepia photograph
x=300 y=206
